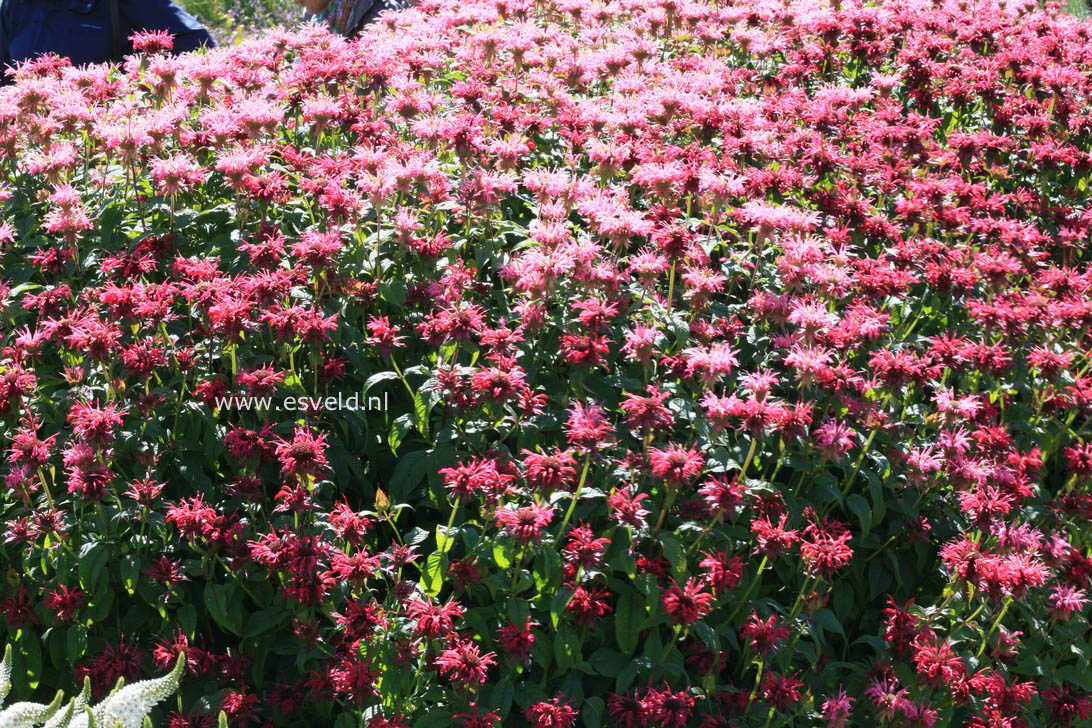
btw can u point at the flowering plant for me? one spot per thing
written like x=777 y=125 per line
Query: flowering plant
x=125 y=707
x=662 y=363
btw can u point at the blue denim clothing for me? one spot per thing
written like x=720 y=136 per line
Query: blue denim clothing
x=82 y=29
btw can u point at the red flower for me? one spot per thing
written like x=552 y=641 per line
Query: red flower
x=584 y=549
x=464 y=664
x=627 y=710
x=434 y=621
x=303 y=455
x=589 y=605
x=152 y=41
x=588 y=428
x=722 y=571
x=824 y=548
x=477 y=719
x=763 y=635
x=95 y=425
x=479 y=475
x=782 y=691
x=63 y=602
x=555 y=713
x=773 y=540
x=1065 y=705
x=353 y=679
x=647 y=412
x=668 y=709
x=18 y=609
x=517 y=640
x=686 y=605
x=241 y=706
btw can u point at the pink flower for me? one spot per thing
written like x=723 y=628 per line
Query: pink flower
x=1065 y=600
x=677 y=465
x=834 y=439
x=778 y=217
x=836 y=710
x=152 y=41
x=525 y=523
x=177 y=173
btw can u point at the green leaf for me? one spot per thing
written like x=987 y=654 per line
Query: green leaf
x=608 y=662
x=376 y=379
x=500 y=696
x=187 y=619
x=593 y=712
x=558 y=604
x=76 y=642
x=263 y=620
x=93 y=558
x=826 y=619
x=434 y=719
x=708 y=635
x=30 y=654
x=393 y=291
x=674 y=552
x=629 y=619
x=432 y=578
x=216 y=601
x=547 y=569
x=420 y=412
x=502 y=554
x=409 y=471
x=860 y=507
x=566 y=647
x=130 y=572
x=879 y=508
x=399 y=428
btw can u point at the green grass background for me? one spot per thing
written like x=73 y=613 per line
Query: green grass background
x=231 y=20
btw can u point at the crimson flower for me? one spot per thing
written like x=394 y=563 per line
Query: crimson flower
x=687 y=604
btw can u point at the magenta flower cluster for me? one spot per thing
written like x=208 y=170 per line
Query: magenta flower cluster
x=733 y=362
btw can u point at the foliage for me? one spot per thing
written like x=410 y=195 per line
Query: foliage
x=715 y=364
x=230 y=21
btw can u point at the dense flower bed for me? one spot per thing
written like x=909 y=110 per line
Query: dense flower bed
x=691 y=365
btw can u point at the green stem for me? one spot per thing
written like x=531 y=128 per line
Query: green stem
x=670 y=288
x=750 y=588
x=576 y=496
x=448 y=539
x=996 y=623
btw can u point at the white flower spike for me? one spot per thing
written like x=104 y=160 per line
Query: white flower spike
x=125 y=707
x=75 y=708
x=5 y=675
x=27 y=715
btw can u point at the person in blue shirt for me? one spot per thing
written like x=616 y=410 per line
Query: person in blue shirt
x=348 y=17
x=90 y=31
